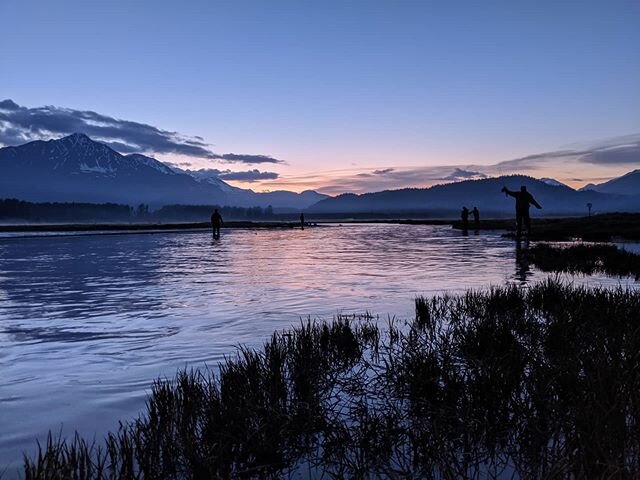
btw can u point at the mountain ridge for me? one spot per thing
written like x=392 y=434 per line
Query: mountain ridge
x=627 y=184
x=484 y=193
x=78 y=169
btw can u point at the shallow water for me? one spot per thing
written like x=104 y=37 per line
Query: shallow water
x=87 y=322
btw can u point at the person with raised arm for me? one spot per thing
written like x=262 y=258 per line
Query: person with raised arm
x=523 y=201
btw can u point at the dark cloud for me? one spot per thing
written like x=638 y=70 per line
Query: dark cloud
x=532 y=162
x=123 y=148
x=246 y=158
x=620 y=155
x=19 y=124
x=179 y=164
x=384 y=171
x=244 y=176
x=624 y=150
x=249 y=176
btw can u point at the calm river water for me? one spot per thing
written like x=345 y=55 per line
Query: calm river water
x=87 y=322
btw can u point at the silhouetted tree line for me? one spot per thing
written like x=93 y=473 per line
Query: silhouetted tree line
x=202 y=213
x=12 y=210
x=19 y=210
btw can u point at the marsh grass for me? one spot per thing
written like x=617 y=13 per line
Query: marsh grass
x=584 y=258
x=541 y=382
x=596 y=228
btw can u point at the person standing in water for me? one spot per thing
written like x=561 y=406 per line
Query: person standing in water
x=216 y=223
x=302 y=221
x=476 y=217
x=523 y=200
x=464 y=215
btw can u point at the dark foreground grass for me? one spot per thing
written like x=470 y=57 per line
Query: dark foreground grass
x=541 y=382
x=584 y=258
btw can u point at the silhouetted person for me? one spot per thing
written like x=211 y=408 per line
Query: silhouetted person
x=476 y=217
x=302 y=221
x=216 y=223
x=464 y=215
x=523 y=200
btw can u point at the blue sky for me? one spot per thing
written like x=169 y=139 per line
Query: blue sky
x=338 y=86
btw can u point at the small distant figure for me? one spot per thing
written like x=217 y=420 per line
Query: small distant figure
x=216 y=223
x=464 y=215
x=523 y=200
x=476 y=218
x=302 y=221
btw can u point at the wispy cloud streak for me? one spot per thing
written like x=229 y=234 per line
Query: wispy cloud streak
x=248 y=176
x=613 y=157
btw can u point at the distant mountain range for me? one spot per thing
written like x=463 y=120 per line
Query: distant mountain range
x=628 y=184
x=78 y=169
x=555 y=197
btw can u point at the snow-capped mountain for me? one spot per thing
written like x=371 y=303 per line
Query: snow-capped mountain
x=553 y=182
x=78 y=169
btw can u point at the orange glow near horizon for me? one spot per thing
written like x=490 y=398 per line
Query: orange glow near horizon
x=575 y=166
x=355 y=180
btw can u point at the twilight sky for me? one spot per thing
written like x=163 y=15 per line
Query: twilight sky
x=333 y=95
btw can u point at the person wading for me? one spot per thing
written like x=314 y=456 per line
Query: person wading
x=464 y=215
x=216 y=223
x=523 y=201
x=476 y=217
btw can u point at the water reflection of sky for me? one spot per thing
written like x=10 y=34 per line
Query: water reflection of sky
x=87 y=322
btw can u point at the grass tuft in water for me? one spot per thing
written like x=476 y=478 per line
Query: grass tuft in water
x=584 y=258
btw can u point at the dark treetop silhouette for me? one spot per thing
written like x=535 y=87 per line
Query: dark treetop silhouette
x=216 y=222
x=523 y=200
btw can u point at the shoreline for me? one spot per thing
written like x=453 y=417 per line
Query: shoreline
x=142 y=227
x=89 y=227
x=89 y=230
x=80 y=229
x=604 y=227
